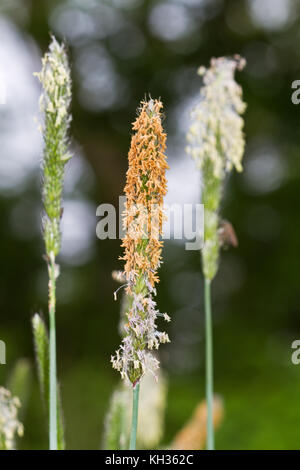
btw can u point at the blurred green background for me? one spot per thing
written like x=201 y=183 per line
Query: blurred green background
x=120 y=50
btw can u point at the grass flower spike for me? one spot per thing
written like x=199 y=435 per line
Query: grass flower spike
x=54 y=104
x=216 y=142
x=145 y=189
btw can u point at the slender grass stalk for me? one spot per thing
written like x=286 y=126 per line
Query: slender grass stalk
x=209 y=367
x=135 y=411
x=54 y=104
x=216 y=142
x=145 y=188
x=52 y=360
x=42 y=352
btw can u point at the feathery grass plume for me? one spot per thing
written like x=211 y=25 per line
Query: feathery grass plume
x=54 y=104
x=10 y=426
x=145 y=188
x=216 y=142
x=193 y=435
x=41 y=344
